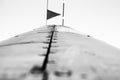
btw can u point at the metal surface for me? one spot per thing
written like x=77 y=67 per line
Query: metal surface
x=53 y=52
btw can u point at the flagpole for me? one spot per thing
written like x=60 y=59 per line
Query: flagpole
x=47 y=10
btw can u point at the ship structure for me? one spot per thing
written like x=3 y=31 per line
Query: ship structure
x=54 y=52
x=57 y=52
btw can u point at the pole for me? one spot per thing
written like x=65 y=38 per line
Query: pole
x=63 y=13
x=47 y=10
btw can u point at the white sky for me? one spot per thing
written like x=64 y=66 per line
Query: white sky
x=98 y=18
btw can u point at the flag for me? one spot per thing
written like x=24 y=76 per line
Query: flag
x=51 y=14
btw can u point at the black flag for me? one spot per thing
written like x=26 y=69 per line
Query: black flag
x=51 y=14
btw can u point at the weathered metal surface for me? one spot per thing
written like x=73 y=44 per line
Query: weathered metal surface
x=71 y=56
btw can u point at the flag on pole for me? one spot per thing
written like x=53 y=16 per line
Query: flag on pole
x=51 y=14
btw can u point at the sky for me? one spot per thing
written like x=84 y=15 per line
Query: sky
x=98 y=18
